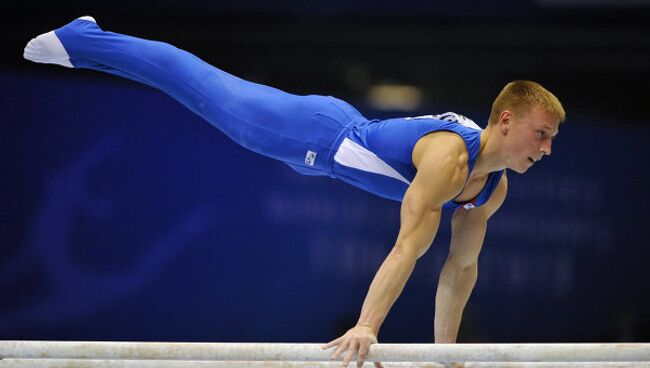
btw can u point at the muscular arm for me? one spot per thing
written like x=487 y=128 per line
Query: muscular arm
x=440 y=181
x=418 y=230
x=442 y=171
x=459 y=273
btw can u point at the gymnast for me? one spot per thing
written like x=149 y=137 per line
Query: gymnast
x=428 y=163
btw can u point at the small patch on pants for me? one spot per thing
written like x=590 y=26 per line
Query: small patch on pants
x=310 y=158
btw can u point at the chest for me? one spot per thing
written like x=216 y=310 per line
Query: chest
x=472 y=188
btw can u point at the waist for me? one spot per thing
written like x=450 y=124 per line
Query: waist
x=340 y=136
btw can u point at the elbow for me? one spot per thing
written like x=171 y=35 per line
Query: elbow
x=462 y=266
x=407 y=252
x=459 y=275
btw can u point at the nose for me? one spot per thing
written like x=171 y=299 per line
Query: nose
x=546 y=147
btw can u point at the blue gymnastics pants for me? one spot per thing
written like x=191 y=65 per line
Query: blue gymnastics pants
x=302 y=131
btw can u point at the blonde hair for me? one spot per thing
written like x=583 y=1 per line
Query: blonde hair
x=520 y=94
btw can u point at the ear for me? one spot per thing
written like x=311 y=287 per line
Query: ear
x=505 y=121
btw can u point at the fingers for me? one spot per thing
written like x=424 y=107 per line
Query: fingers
x=454 y=365
x=332 y=343
x=353 y=347
x=356 y=340
x=363 y=353
x=343 y=347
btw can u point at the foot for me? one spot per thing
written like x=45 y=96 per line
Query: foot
x=48 y=49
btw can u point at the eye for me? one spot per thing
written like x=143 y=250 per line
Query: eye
x=541 y=133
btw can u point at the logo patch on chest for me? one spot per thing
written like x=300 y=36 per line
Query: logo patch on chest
x=468 y=206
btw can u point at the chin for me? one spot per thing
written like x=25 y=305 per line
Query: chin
x=519 y=170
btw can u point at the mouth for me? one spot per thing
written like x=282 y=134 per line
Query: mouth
x=532 y=161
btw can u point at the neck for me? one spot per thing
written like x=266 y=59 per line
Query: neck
x=490 y=157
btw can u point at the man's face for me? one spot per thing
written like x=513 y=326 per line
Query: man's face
x=528 y=137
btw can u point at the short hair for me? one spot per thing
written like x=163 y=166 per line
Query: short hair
x=523 y=93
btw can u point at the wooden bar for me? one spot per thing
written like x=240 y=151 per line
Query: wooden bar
x=627 y=352
x=95 y=363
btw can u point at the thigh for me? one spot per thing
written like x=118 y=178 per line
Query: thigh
x=298 y=130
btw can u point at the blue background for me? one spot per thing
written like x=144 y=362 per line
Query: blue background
x=126 y=217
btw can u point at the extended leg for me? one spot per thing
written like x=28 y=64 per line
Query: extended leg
x=261 y=118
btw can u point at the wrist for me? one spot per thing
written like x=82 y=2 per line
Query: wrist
x=368 y=325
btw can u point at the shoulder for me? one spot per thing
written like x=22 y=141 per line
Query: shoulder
x=441 y=161
x=497 y=198
x=440 y=145
x=483 y=213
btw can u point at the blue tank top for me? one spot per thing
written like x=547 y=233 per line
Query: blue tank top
x=377 y=155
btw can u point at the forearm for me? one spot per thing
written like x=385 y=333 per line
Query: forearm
x=386 y=287
x=454 y=288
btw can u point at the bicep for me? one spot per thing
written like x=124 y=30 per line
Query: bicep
x=418 y=224
x=467 y=234
x=496 y=199
x=469 y=227
x=437 y=181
